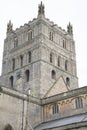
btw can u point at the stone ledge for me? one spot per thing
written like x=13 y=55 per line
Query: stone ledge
x=65 y=95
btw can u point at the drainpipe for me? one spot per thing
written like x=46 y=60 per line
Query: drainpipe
x=22 y=124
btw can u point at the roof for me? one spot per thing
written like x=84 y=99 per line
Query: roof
x=62 y=122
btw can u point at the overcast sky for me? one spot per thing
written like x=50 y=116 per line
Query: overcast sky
x=59 y=11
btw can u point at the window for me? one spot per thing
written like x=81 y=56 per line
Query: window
x=67 y=81
x=55 y=108
x=59 y=60
x=11 y=81
x=53 y=74
x=27 y=75
x=64 y=44
x=29 y=56
x=30 y=35
x=79 y=103
x=66 y=65
x=51 y=36
x=15 y=42
x=21 y=60
x=13 y=64
x=51 y=58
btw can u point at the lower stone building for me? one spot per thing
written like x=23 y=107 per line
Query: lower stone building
x=20 y=111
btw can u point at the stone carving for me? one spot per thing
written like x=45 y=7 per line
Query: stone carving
x=9 y=27
x=70 y=29
x=41 y=9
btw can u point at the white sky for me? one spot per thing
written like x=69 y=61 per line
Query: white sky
x=59 y=11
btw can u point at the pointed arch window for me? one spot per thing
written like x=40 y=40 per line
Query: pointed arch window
x=15 y=42
x=27 y=75
x=64 y=44
x=51 y=36
x=79 y=103
x=55 y=108
x=59 y=61
x=66 y=65
x=11 y=81
x=13 y=64
x=53 y=74
x=21 y=60
x=29 y=56
x=30 y=35
x=51 y=57
x=68 y=81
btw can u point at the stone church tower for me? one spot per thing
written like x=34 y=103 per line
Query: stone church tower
x=37 y=55
x=39 y=84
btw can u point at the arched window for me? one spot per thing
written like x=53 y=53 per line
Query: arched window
x=51 y=58
x=11 y=81
x=27 y=75
x=59 y=60
x=66 y=65
x=15 y=42
x=13 y=64
x=53 y=74
x=68 y=81
x=55 y=108
x=21 y=60
x=79 y=103
x=64 y=44
x=29 y=56
x=8 y=127
x=30 y=35
x=51 y=36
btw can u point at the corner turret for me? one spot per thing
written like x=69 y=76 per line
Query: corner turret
x=70 y=29
x=41 y=11
x=9 y=27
